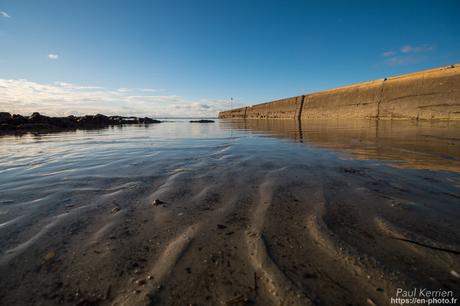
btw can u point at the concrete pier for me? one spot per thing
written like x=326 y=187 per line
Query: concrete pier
x=428 y=94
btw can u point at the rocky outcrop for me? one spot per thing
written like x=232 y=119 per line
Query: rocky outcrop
x=202 y=121
x=428 y=94
x=38 y=122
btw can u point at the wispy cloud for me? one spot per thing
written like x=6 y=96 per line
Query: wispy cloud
x=416 y=49
x=388 y=53
x=400 y=60
x=124 y=89
x=62 y=99
x=4 y=14
x=407 y=54
x=147 y=89
x=53 y=56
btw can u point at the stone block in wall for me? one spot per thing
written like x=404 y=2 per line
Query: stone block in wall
x=358 y=101
x=430 y=94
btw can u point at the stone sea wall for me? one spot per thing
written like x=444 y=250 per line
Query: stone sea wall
x=428 y=94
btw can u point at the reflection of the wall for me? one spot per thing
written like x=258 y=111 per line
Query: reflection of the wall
x=415 y=144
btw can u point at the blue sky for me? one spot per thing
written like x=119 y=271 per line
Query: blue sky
x=178 y=58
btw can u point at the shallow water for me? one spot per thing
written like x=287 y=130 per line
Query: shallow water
x=344 y=183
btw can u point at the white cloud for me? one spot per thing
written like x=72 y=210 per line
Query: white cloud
x=76 y=87
x=4 y=14
x=400 y=60
x=407 y=54
x=62 y=99
x=53 y=56
x=406 y=49
x=388 y=53
x=147 y=89
x=416 y=49
x=124 y=89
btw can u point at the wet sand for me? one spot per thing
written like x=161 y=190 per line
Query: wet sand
x=254 y=213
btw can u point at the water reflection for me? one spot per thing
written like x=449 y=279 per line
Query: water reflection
x=414 y=144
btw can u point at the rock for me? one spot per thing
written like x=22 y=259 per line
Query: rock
x=147 y=120
x=371 y=302
x=38 y=118
x=141 y=282
x=202 y=121
x=115 y=119
x=37 y=122
x=157 y=202
x=18 y=119
x=221 y=226
x=50 y=255
x=115 y=209
x=90 y=121
x=63 y=122
x=455 y=274
x=7 y=127
x=34 y=126
x=236 y=300
x=5 y=117
x=99 y=118
x=85 y=121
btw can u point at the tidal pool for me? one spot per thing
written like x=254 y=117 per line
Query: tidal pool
x=261 y=212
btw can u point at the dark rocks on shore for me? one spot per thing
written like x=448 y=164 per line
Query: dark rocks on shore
x=38 y=122
x=157 y=202
x=4 y=116
x=202 y=121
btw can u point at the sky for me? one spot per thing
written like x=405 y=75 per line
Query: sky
x=186 y=58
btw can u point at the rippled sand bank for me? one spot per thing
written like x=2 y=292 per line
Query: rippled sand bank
x=246 y=219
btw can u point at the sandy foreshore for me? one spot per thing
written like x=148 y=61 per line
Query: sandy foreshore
x=252 y=227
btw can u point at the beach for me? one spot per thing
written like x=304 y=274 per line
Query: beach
x=236 y=212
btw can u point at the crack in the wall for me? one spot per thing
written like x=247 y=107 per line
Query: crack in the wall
x=380 y=99
x=299 y=112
